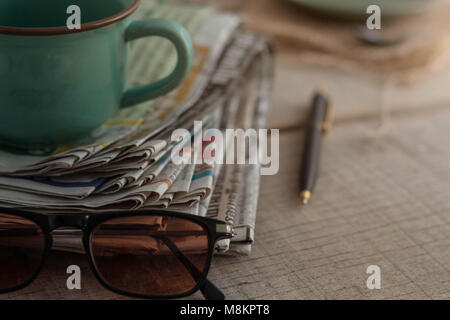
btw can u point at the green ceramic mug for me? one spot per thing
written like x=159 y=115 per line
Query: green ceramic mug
x=58 y=85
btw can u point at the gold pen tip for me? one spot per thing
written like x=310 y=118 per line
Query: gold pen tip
x=305 y=195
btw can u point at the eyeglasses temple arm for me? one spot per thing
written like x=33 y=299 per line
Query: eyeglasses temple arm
x=193 y=270
x=208 y=289
x=211 y=292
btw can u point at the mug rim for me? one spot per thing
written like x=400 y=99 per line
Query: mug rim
x=51 y=31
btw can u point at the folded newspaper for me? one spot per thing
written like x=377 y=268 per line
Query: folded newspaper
x=126 y=164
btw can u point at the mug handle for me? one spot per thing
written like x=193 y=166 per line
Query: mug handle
x=178 y=35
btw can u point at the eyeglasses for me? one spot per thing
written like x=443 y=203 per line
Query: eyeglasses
x=148 y=254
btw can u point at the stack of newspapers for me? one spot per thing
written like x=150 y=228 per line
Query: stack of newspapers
x=127 y=164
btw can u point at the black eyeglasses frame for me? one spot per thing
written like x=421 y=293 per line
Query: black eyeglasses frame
x=216 y=230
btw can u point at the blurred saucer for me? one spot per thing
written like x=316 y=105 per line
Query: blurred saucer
x=356 y=9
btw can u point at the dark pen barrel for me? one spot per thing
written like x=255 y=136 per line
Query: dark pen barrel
x=311 y=154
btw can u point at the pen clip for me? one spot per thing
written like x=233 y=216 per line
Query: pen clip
x=328 y=123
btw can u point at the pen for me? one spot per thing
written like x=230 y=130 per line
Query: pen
x=319 y=122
